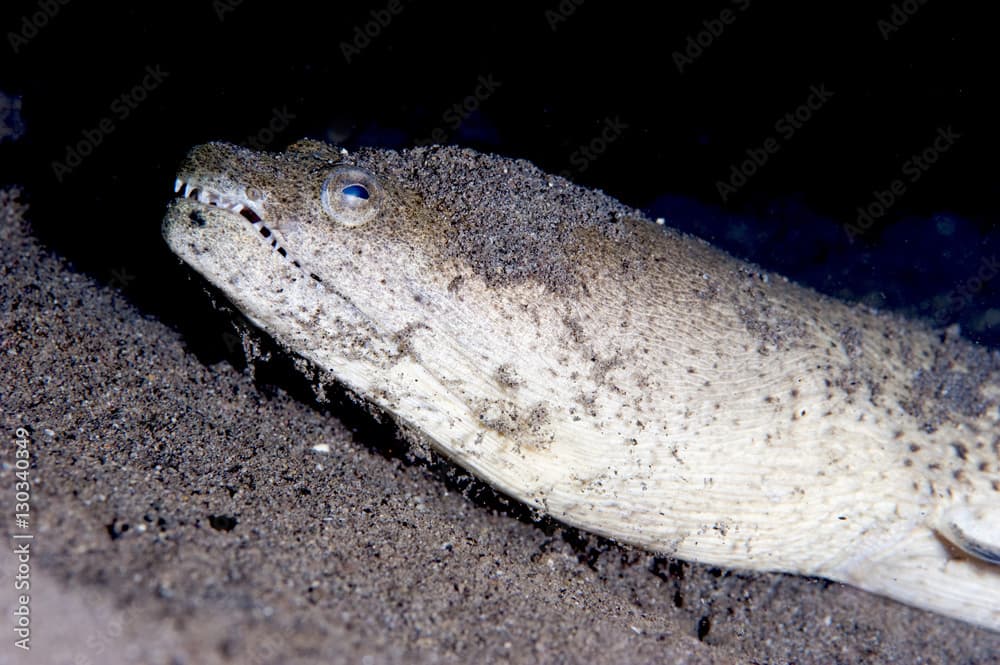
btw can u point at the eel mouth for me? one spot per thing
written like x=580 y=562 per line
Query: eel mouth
x=238 y=205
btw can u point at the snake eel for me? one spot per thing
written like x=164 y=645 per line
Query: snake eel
x=618 y=375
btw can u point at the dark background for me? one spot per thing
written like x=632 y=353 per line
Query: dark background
x=564 y=71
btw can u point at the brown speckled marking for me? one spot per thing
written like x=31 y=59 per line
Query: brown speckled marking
x=507 y=376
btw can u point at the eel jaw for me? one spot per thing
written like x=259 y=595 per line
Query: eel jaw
x=236 y=204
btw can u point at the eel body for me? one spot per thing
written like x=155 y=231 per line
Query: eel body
x=620 y=376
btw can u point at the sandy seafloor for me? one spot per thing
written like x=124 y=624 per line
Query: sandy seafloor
x=182 y=513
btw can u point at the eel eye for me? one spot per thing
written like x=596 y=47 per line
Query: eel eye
x=351 y=195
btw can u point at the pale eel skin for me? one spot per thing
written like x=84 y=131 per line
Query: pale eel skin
x=615 y=374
